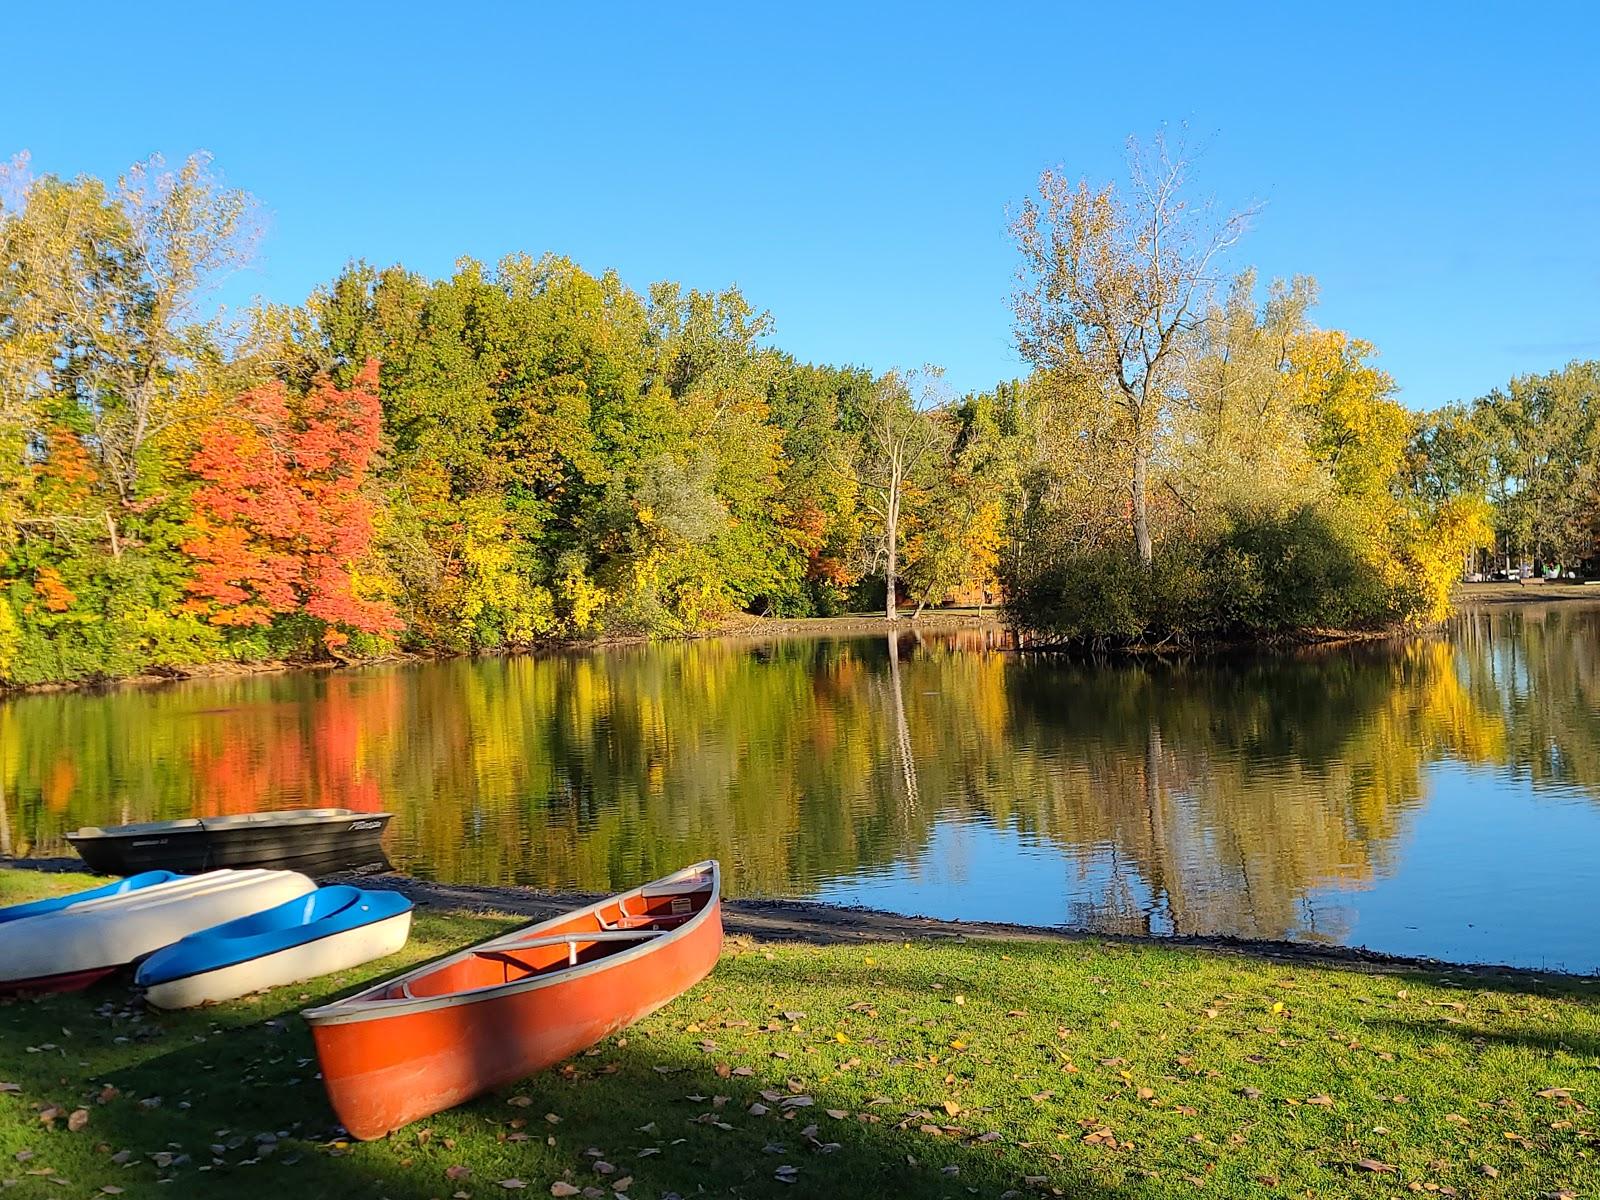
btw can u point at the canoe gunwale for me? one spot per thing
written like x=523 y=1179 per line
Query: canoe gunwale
x=357 y=1007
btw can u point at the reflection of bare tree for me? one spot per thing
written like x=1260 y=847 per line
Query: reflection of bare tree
x=5 y=819
x=902 y=731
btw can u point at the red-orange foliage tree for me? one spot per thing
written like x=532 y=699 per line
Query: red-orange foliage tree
x=280 y=519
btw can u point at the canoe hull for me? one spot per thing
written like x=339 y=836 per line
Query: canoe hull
x=310 y=843
x=309 y=960
x=384 y=1073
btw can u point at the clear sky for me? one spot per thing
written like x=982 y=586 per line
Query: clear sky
x=1435 y=167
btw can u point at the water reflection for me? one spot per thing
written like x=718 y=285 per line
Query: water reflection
x=1319 y=795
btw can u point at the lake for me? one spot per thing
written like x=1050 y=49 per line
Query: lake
x=1439 y=796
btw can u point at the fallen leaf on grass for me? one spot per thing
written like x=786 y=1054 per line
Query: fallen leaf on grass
x=10 y=1087
x=562 y=1188
x=623 y=1184
x=1323 y=1101
x=512 y=1185
x=1555 y=1093
x=454 y=1173
x=951 y=1107
x=78 y=1119
x=1372 y=1164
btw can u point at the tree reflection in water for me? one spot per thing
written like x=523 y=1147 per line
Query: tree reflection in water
x=1198 y=796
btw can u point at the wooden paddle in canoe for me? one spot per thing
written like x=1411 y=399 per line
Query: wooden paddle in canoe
x=503 y=1009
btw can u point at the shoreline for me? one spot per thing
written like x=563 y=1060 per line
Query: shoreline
x=751 y=628
x=933 y=620
x=818 y=923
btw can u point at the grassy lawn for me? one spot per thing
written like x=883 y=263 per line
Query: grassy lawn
x=1081 y=1069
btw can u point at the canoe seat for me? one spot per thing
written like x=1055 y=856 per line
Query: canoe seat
x=679 y=911
x=496 y=966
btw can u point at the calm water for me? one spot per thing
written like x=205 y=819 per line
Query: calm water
x=1440 y=797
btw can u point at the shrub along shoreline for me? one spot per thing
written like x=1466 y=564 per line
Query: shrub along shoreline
x=847 y=625
x=907 y=1067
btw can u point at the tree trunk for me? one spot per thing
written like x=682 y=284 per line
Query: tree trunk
x=891 y=568
x=1141 y=516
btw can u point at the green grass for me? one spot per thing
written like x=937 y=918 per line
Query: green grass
x=1083 y=1069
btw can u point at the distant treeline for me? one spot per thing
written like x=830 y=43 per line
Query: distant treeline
x=528 y=452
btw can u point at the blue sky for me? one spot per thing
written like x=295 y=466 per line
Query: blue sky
x=1436 y=169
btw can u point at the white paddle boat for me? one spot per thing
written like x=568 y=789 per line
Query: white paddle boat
x=73 y=947
x=133 y=883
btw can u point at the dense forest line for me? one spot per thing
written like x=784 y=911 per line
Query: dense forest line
x=527 y=451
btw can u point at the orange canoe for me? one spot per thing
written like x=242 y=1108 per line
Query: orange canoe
x=503 y=1009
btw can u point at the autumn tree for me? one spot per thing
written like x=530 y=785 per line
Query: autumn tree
x=1542 y=436
x=899 y=436
x=821 y=517
x=1110 y=286
x=103 y=308
x=281 y=525
x=959 y=517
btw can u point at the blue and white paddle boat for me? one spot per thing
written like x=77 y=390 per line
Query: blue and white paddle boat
x=330 y=929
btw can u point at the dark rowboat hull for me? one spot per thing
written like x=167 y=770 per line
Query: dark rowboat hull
x=311 y=841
